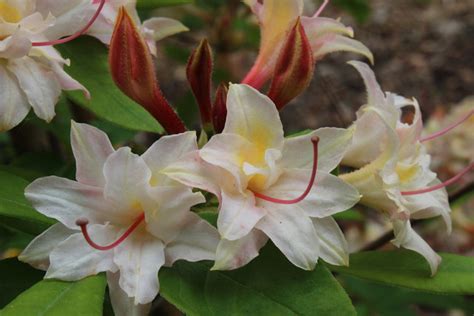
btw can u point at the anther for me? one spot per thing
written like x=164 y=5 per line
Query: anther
x=315 y=141
x=441 y=185
x=448 y=128
x=78 y=33
x=83 y=222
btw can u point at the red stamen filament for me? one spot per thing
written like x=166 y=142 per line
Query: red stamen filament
x=321 y=8
x=315 y=141
x=441 y=185
x=78 y=33
x=447 y=129
x=82 y=222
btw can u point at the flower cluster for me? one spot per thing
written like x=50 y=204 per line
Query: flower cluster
x=129 y=215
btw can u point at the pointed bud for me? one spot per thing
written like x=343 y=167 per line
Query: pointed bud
x=219 y=110
x=199 y=72
x=134 y=73
x=294 y=68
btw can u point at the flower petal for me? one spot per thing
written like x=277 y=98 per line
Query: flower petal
x=122 y=304
x=328 y=196
x=167 y=210
x=334 y=248
x=39 y=84
x=139 y=259
x=15 y=46
x=67 y=201
x=233 y=254
x=331 y=43
x=74 y=259
x=407 y=238
x=158 y=28
x=14 y=106
x=126 y=179
x=91 y=148
x=375 y=95
x=253 y=116
x=166 y=151
x=37 y=252
x=293 y=233
x=197 y=241
x=333 y=142
x=238 y=215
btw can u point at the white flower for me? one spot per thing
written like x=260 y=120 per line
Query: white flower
x=393 y=167
x=255 y=173
x=31 y=77
x=121 y=197
x=73 y=15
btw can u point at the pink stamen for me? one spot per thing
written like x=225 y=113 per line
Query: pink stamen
x=82 y=222
x=315 y=141
x=78 y=33
x=441 y=185
x=448 y=128
x=321 y=8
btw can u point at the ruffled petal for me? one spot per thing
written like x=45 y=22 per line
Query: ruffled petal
x=333 y=244
x=67 y=201
x=39 y=84
x=74 y=259
x=139 y=259
x=122 y=304
x=197 y=241
x=14 y=105
x=328 y=196
x=407 y=238
x=253 y=116
x=331 y=43
x=91 y=148
x=15 y=46
x=37 y=252
x=333 y=143
x=237 y=253
x=293 y=233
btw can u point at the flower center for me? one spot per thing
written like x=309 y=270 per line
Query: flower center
x=315 y=141
x=83 y=222
x=9 y=13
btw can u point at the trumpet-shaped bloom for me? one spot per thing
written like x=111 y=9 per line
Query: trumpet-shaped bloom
x=259 y=177
x=277 y=18
x=122 y=215
x=72 y=15
x=392 y=165
x=31 y=77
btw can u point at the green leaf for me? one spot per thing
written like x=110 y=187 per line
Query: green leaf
x=269 y=285
x=52 y=297
x=89 y=65
x=409 y=269
x=15 y=277
x=15 y=210
x=150 y=4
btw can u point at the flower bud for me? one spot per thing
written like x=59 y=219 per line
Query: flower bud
x=294 y=68
x=134 y=73
x=219 y=110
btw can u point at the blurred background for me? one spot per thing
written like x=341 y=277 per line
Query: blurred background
x=422 y=48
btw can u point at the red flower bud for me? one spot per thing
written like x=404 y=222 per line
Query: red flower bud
x=199 y=72
x=134 y=73
x=294 y=68
x=219 y=110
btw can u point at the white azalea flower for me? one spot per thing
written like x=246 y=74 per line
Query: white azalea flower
x=393 y=168
x=31 y=76
x=72 y=15
x=122 y=215
x=259 y=177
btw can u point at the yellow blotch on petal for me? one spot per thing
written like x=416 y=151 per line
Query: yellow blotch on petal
x=406 y=173
x=9 y=13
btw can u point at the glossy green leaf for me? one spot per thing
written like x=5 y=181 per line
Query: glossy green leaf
x=15 y=210
x=269 y=285
x=150 y=4
x=409 y=269
x=52 y=297
x=89 y=65
x=16 y=277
